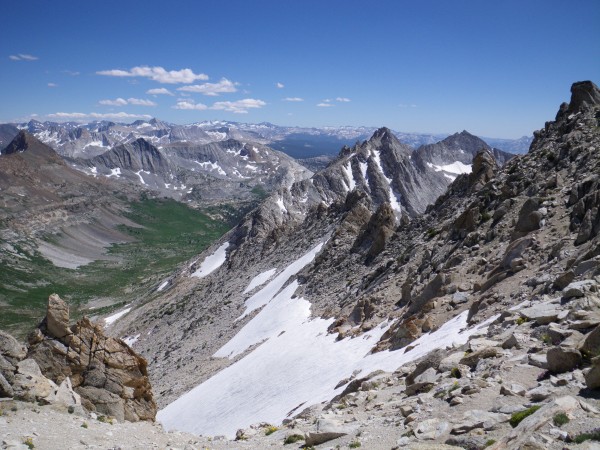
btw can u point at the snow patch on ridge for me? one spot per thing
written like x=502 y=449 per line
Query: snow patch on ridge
x=212 y=262
x=260 y=279
x=347 y=169
x=298 y=363
x=113 y=318
x=393 y=200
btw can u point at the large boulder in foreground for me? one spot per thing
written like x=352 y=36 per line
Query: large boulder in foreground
x=108 y=375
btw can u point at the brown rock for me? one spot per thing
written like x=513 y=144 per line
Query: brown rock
x=57 y=317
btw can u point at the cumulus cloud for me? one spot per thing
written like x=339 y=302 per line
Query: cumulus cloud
x=159 y=91
x=52 y=85
x=342 y=99
x=293 y=99
x=23 y=57
x=280 y=85
x=190 y=105
x=211 y=89
x=238 y=107
x=130 y=101
x=324 y=104
x=157 y=73
x=96 y=116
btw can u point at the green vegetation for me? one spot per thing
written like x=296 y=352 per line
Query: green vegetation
x=518 y=417
x=84 y=425
x=455 y=373
x=593 y=435
x=270 y=430
x=490 y=442
x=293 y=438
x=354 y=444
x=29 y=443
x=560 y=419
x=169 y=234
x=521 y=320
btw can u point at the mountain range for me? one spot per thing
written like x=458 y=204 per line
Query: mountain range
x=438 y=297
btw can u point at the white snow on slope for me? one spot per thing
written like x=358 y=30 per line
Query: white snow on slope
x=260 y=279
x=281 y=205
x=347 y=169
x=298 y=365
x=209 y=165
x=163 y=285
x=113 y=318
x=130 y=340
x=455 y=168
x=363 y=169
x=116 y=172
x=265 y=295
x=393 y=200
x=212 y=262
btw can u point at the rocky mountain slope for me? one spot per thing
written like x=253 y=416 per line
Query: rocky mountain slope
x=201 y=174
x=294 y=317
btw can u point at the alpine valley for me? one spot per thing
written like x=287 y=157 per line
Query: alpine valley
x=197 y=286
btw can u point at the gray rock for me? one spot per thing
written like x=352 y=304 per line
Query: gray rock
x=422 y=382
x=472 y=359
x=592 y=376
x=562 y=359
x=538 y=360
x=542 y=313
x=563 y=280
x=11 y=348
x=579 y=288
x=102 y=402
x=326 y=430
x=450 y=362
x=512 y=389
x=430 y=429
x=6 y=389
x=539 y=393
x=591 y=344
x=478 y=419
x=514 y=340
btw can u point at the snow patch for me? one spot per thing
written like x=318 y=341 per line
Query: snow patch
x=163 y=285
x=347 y=169
x=116 y=172
x=363 y=170
x=113 y=318
x=211 y=166
x=260 y=279
x=299 y=363
x=392 y=196
x=212 y=262
x=265 y=295
x=281 y=205
x=130 y=340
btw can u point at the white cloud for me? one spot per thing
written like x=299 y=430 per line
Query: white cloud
x=211 y=89
x=157 y=73
x=240 y=106
x=72 y=73
x=130 y=101
x=342 y=99
x=51 y=85
x=116 y=102
x=293 y=99
x=140 y=102
x=324 y=105
x=159 y=91
x=280 y=85
x=96 y=116
x=190 y=105
x=23 y=57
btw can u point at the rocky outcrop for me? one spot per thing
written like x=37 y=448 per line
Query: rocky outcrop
x=108 y=375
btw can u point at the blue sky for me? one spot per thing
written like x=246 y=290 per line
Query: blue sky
x=497 y=69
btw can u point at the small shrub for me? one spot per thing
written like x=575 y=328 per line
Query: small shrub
x=431 y=233
x=560 y=419
x=521 y=320
x=454 y=387
x=292 y=439
x=29 y=442
x=455 y=373
x=71 y=409
x=270 y=430
x=490 y=442
x=84 y=425
x=518 y=417
x=354 y=444
x=486 y=216
x=593 y=435
x=546 y=339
